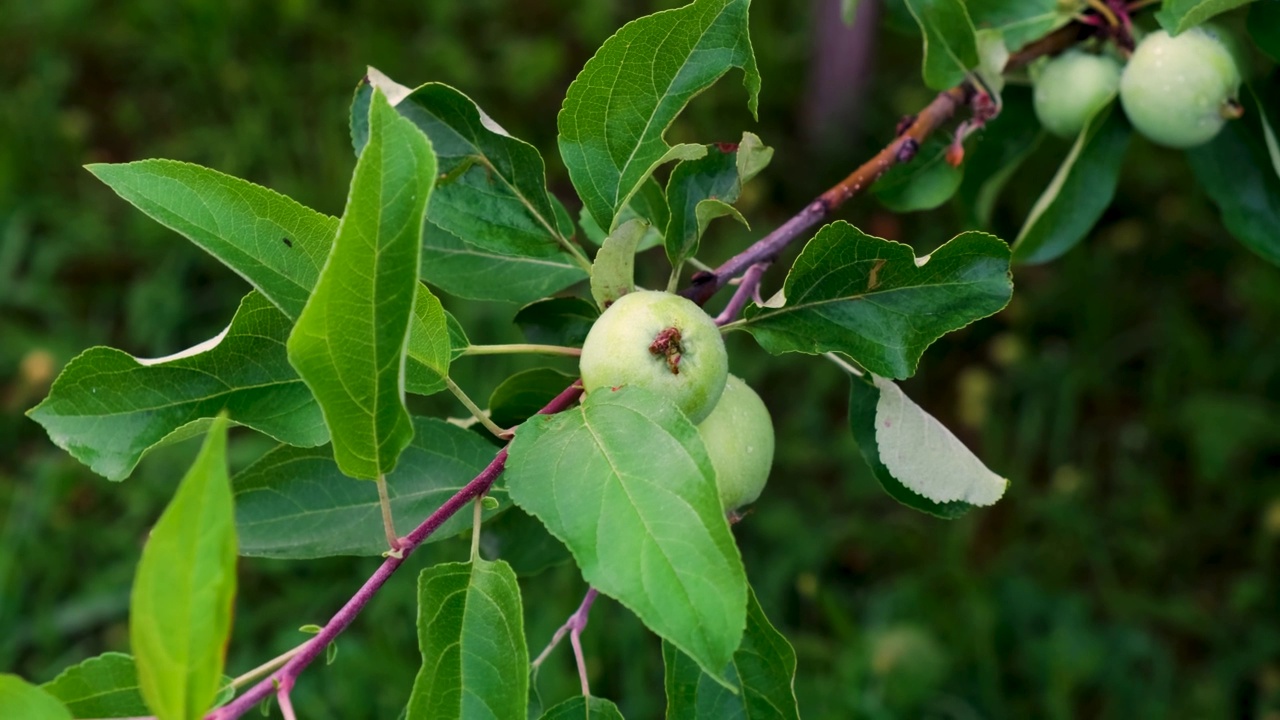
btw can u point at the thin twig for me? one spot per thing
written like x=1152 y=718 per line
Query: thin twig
x=344 y=617
x=480 y=415
x=748 y=289
x=514 y=348
x=574 y=626
x=388 y=522
x=266 y=667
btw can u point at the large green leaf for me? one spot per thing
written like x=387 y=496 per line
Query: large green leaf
x=950 y=43
x=624 y=481
x=1021 y=21
x=1237 y=173
x=763 y=668
x=492 y=190
x=349 y=342
x=268 y=239
x=108 y=409
x=917 y=460
x=617 y=110
x=468 y=271
x=522 y=395
x=922 y=184
x=557 y=321
x=1179 y=15
x=876 y=301
x=293 y=503
x=101 y=687
x=1080 y=191
x=21 y=699
x=475 y=663
x=719 y=175
x=180 y=608
x=583 y=708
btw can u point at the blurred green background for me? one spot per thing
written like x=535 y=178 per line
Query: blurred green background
x=1131 y=391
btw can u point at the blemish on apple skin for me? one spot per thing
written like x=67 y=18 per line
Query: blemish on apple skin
x=888 y=423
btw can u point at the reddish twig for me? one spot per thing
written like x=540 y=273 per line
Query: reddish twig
x=282 y=680
x=748 y=289
x=574 y=626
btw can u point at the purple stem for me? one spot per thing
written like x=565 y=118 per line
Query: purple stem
x=285 y=676
x=748 y=289
x=766 y=248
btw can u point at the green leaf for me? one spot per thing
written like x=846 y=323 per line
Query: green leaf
x=522 y=395
x=624 y=481
x=950 y=45
x=517 y=538
x=1264 y=27
x=183 y=593
x=922 y=184
x=349 y=342
x=109 y=409
x=21 y=699
x=295 y=503
x=471 y=632
x=100 y=687
x=492 y=188
x=764 y=668
x=467 y=271
x=915 y=458
x=1004 y=144
x=583 y=708
x=719 y=175
x=1179 y=15
x=1021 y=21
x=649 y=203
x=1236 y=171
x=876 y=301
x=613 y=272
x=557 y=321
x=268 y=239
x=617 y=110
x=1079 y=192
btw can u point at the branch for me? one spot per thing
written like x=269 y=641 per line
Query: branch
x=285 y=677
x=576 y=623
x=902 y=150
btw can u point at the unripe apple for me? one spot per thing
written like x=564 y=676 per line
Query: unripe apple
x=661 y=342
x=1178 y=91
x=738 y=435
x=1073 y=86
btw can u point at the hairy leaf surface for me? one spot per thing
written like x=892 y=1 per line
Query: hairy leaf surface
x=617 y=110
x=475 y=663
x=624 y=481
x=876 y=301
x=350 y=341
x=183 y=593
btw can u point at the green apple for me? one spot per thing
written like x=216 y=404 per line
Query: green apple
x=1179 y=91
x=738 y=435
x=661 y=342
x=1073 y=86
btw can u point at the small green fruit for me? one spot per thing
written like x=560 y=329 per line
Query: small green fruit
x=1179 y=91
x=1071 y=88
x=661 y=342
x=738 y=435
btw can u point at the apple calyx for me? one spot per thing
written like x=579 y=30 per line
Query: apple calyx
x=667 y=345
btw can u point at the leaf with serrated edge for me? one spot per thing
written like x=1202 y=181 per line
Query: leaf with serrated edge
x=613 y=272
x=492 y=190
x=624 y=481
x=1079 y=193
x=1179 y=15
x=273 y=242
x=876 y=301
x=349 y=342
x=950 y=44
x=183 y=592
x=466 y=271
x=865 y=401
x=618 y=108
x=109 y=409
x=583 y=708
x=21 y=699
x=292 y=502
x=100 y=687
x=764 y=667
x=475 y=663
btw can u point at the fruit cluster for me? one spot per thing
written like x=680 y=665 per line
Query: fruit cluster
x=1177 y=90
x=667 y=344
